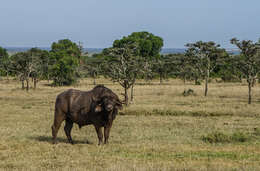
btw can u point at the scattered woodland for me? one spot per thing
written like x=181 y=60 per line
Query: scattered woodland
x=193 y=111
x=133 y=57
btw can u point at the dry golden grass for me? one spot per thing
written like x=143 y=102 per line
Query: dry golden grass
x=160 y=130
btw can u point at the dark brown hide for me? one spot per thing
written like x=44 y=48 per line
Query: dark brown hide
x=98 y=107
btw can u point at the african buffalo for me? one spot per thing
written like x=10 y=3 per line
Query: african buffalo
x=98 y=107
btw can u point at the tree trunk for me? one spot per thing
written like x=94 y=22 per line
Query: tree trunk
x=27 y=84
x=254 y=82
x=48 y=77
x=197 y=81
x=7 y=75
x=126 y=97
x=161 y=78
x=132 y=92
x=34 y=83
x=94 y=78
x=206 y=87
x=94 y=81
x=249 y=92
x=206 y=83
x=23 y=84
x=241 y=78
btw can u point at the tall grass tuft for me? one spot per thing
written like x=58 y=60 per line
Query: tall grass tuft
x=220 y=137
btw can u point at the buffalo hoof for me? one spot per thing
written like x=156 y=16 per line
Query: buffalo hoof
x=71 y=142
x=54 y=142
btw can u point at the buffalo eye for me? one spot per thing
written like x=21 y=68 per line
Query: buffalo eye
x=109 y=107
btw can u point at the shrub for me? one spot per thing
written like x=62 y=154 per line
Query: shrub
x=216 y=137
x=240 y=137
x=188 y=92
x=257 y=131
x=219 y=137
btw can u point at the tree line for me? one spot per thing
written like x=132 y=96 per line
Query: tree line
x=136 y=56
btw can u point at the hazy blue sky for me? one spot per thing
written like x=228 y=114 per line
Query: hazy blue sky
x=97 y=23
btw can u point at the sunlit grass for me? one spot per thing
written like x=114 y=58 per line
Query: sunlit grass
x=160 y=130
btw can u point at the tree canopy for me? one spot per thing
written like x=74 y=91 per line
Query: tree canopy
x=65 y=56
x=148 y=45
x=248 y=62
x=67 y=47
x=204 y=58
x=32 y=63
x=4 y=61
x=91 y=67
x=122 y=65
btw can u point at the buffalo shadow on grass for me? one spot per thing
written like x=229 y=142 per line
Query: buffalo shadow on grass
x=44 y=138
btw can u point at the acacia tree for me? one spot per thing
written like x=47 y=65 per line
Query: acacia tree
x=181 y=68
x=32 y=63
x=91 y=67
x=204 y=58
x=163 y=66
x=24 y=65
x=122 y=66
x=228 y=71
x=40 y=59
x=145 y=46
x=248 y=62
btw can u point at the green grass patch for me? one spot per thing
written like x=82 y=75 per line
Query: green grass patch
x=257 y=132
x=168 y=112
x=220 y=137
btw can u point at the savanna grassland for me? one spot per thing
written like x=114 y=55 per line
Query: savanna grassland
x=160 y=130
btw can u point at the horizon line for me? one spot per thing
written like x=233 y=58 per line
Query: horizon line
x=98 y=47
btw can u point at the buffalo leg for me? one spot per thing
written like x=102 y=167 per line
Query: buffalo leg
x=106 y=132
x=99 y=134
x=58 y=119
x=67 y=128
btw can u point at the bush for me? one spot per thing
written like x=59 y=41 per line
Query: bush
x=216 y=137
x=197 y=82
x=227 y=77
x=257 y=131
x=188 y=92
x=219 y=137
x=240 y=137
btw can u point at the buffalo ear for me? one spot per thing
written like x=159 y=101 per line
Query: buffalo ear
x=120 y=107
x=119 y=104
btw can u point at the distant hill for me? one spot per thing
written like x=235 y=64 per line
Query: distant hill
x=23 y=49
x=182 y=50
x=172 y=50
x=12 y=50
